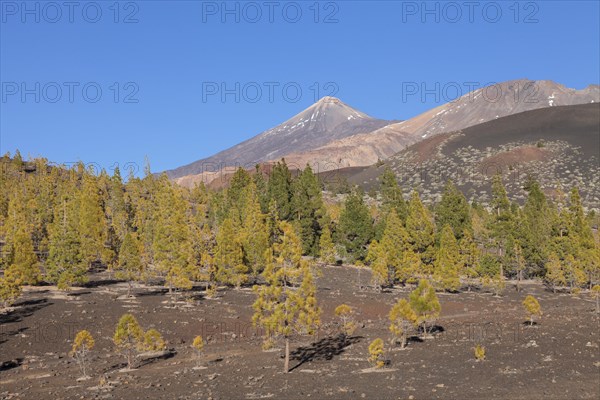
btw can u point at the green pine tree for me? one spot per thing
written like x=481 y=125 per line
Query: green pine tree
x=453 y=210
x=355 y=228
x=65 y=265
x=391 y=194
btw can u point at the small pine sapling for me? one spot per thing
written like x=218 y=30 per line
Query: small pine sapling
x=198 y=346
x=425 y=304
x=479 y=352
x=10 y=290
x=346 y=315
x=82 y=345
x=128 y=338
x=532 y=308
x=153 y=341
x=402 y=319
x=376 y=353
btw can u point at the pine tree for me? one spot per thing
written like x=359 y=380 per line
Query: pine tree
x=453 y=210
x=394 y=244
x=229 y=255
x=377 y=260
x=348 y=325
x=198 y=346
x=355 y=228
x=425 y=304
x=532 y=307
x=500 y=223
x=82 y=345
x=327 y=251
x=287 y=302
x=535 y=227
x=574 y=273
x=412 y=267
x=470 y=258
x=519 y=264
x=129 y=267
x=420 y=228
x=554 y=272
x=280 y=189
x=237 y=190
x=391 y=194
x=118 y=223
x=10 y=289
x=153 y=341
x=171 y=242
x=24 y=263
x=376 y=353
x=207 y=269
x=65 y=266
x=448 y=261
x=128 y=338
x=254 y=234
x=402 y=319
x=262 y=189
x=307 y=209
x=91 y=221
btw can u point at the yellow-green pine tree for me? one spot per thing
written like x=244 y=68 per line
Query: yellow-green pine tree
x=378 y=263
x=327 y=251
x=229 y=254
x=425 y=304
x=287 y=302
x=171 y=242
x=128 y=338
x=420 y=228
x=402 y=319
x=448 y=261
x=554 y=272
x=91 y=220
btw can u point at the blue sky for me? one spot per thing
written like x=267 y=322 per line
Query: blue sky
x=161 y=67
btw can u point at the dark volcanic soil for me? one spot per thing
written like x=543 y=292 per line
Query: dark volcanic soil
x=556 y=359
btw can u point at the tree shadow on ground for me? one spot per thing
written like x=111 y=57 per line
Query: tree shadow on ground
x=153 y=292
x=140 y=362
x=100 y=282
x=431 y=330
x=324 y=349
x=528 y=323
x=24 y=309
x=6 y=365
x=149 y=360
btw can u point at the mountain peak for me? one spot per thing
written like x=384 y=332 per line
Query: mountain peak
x=326 y=120
x=329 y=99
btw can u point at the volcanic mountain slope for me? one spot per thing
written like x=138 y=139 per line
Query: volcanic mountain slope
x=559 y=146
x=482 y=105
x=328 y=119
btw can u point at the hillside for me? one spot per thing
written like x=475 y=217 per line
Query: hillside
x=481 y=105
x=557 y=145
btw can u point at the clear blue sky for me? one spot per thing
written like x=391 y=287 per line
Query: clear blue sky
x=178 y=50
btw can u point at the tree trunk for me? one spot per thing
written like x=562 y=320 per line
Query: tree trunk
x=128 y=289
x=286 y=365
